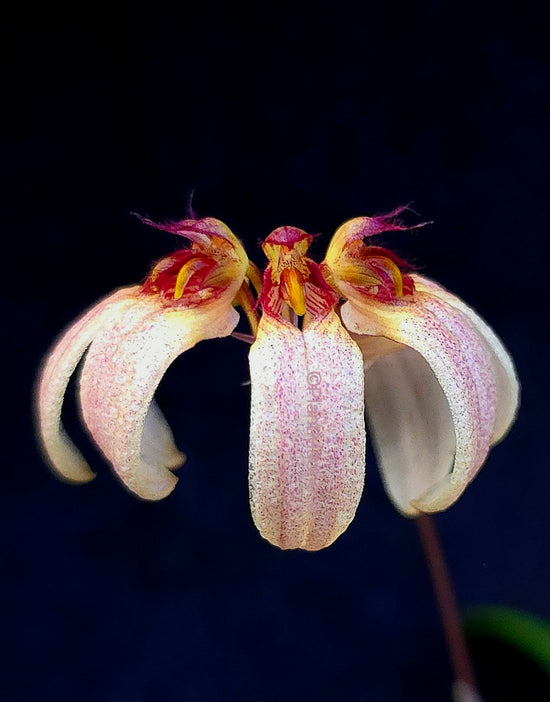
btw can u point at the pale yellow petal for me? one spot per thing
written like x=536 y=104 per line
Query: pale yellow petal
x=123 y=368
x=307 y=434
x=157 y=442
x=461 y=365
x=62 y=455
x=409 y=419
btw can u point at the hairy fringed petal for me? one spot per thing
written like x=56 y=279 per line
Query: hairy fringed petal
x=364 y=269
x=431 y=403
x=122 y=370
x=307 y=434
x=62 y=455
x=440 y=387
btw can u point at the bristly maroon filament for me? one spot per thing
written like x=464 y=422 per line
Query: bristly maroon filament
x=386 y=223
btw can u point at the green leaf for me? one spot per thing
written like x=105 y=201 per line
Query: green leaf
x=525 y=632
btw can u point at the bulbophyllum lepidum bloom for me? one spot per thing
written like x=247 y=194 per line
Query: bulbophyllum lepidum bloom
x=133 y=335
x=356 y=334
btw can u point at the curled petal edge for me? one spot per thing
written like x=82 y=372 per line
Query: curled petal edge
x=121 y=373
x=61 y=454
x=463 y=367
x=409 y=420
x=507 y=382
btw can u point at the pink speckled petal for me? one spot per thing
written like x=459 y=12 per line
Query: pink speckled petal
x=409 y=420
x=121 y=372
x=507 y=384
x=62 y=455
x=419 y=470
x=307 y=432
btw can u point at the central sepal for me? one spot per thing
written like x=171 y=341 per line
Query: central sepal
x=307 y=433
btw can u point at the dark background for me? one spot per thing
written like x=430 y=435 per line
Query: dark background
x=275 y=116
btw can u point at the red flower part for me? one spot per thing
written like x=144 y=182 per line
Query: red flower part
x=292 y=280
x=365 y=227
x=369 y=270
x=201 y=273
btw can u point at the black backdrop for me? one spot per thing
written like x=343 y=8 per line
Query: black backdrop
x=274 y=115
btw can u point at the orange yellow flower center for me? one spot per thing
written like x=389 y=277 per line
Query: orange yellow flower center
x=293 y=283
x=285 y=249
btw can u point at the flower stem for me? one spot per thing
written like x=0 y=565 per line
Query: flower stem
x=255 y=277
x=450 y=617
x=246 y=301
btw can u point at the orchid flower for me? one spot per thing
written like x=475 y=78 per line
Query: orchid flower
x=133 y=335
x=354 y=334
x=307 y=427
x=440 y=388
